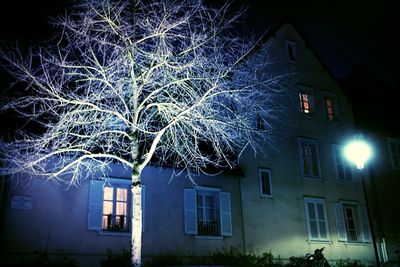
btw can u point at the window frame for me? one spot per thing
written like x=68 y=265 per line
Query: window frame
x=344 y=165
x=335 y=113
x=115 y=201
x=269 y=185
x=300 y=141
x=291 y=51
x=223 y=212
x=393 y=154
x=309 y=92
x=96 y=200
x=362 y=227
x=315 y=201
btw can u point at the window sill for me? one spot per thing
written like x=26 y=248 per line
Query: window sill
x=209 y=237
x=266 y=196
x=312 y=178
x=356 y=243
x=110 y=233
x=319 y=241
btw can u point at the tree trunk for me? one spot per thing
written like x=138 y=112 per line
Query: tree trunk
x=136 y=207
x=136 y=220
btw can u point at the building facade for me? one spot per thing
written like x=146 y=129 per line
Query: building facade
x=289 y=199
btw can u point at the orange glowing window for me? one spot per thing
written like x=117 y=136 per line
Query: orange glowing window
x=305 y=102
x=330 y=105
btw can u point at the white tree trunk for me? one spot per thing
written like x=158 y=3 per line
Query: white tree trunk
x=136 y=232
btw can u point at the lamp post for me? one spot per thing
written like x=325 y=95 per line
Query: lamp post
x=359 y=152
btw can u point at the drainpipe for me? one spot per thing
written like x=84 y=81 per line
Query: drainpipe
x=241 y=214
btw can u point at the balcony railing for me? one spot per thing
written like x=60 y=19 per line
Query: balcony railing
x=117 y=223
x=207 y=228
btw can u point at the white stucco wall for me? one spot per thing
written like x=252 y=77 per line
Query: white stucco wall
x=278 y=224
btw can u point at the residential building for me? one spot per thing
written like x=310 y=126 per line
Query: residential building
x=295 y=196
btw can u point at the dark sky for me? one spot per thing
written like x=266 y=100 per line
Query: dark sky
x=341 y=34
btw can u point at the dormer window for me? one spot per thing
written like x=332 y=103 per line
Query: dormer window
x=291 y=51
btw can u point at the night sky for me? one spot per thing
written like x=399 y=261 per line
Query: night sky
x=356 y=39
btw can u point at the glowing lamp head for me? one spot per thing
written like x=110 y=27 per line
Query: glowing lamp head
x=358 y=152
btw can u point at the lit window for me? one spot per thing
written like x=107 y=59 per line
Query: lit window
x=308 y=154
x=291 y=51
x=115 y=209
x=394 y=152
x=207 y=212
x=317 y=223
x=265 y=182
x=352 y=223
x=344 y=171
x=330 y=107
x=109 y=205
x=305 y=97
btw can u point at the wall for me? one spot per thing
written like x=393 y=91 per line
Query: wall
x=56 y=223
x=278 y=223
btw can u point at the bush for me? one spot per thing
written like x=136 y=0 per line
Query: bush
x=121 y=259
x=349 y=263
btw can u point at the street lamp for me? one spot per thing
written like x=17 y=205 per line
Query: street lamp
x=358 y=151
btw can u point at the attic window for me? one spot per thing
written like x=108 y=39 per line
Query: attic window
x=291 y=51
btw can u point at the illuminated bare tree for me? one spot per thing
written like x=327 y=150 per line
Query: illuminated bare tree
x=164 y=81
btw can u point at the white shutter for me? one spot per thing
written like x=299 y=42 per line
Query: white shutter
x=340 y=223
x=365 y=230
x=95 y=208
x=143 y=206
x=190 y=211
x=225 y=213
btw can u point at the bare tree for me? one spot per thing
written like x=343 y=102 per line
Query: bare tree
x=163 y=81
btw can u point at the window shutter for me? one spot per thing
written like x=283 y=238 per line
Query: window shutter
x=365 y=230
x=190 y=211
x=340 y=223
x=95 y=205
x=225 y=213
x=143 y=206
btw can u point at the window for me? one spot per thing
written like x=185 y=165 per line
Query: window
x=291 y=51
x=265 y=182
x=394 y=152
x=330 y=107
x=317 y=223
x=306 y=102
x=344 y=171
x=207 y=212
x=207 y=222
x=109 y=205
x=352 y=223
x=115 y=208
x=308 y=154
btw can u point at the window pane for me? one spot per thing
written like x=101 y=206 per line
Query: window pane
x=199 y=214
x=311 y=211
x=122 y=194
x=209 y=201
x=320 y=210
x=199 y=201
x=121 y=208
x=210 y=215
x=108 y=193
x=322 y=230
x=313 y=228
x=107 y=207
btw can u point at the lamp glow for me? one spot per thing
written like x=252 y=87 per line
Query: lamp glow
x=358 y=152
